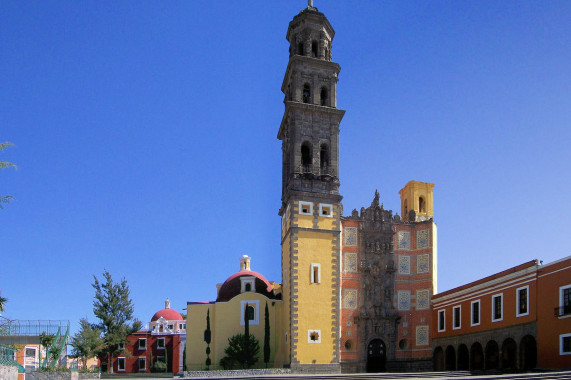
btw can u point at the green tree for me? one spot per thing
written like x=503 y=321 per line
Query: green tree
x=3 y=165
x=3 y=301
x=46 y=341
x=87 y=342
x=267 y=336
x=240 y=352
x=208 y=339
x=113 y=307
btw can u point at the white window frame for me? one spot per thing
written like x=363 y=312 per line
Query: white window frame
x=164 y=344
x=245 y=281
x=501 y=296
x=443 y=313
x=326 y=206
x=459 y=320
x=256 y=306
x=301 y=204
x=182 y=326
x=142 y=340
x=119 y=369
x=139 y=363
x=517 y=305
x=472 y=313
x=313 y=267
x=561 y=337
x=121 y=346
x=309 y=332
x=561 y=305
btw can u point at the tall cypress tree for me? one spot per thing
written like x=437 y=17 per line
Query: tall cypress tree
x=207 y=339
x=267 y=336
x=246 y=331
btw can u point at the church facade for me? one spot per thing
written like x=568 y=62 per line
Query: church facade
x=355 y=291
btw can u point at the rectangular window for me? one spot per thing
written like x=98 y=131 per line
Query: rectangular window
x=565 y=344
x=142 y=344
x=441 y=320
x=170 y=327
x=121 y=346
x=315 y=273
x=326 y=210
x=564 y=300
x=31 y=353
x=522 y=301
x=305 y=208
x=252 y=312
x=475 y=313
x=182 y=326
x=498 y=307
x=142 y=362
x=121 y=364
x=160 y=343
x=456 y=315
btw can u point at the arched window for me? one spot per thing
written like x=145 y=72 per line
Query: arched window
x=300 y=48
x=323 y=96
x=314 y=49
x=421 y=205
x=324 y=157
x=250 y=313
x=306 y=155
x=248 y=287
x=306 y=93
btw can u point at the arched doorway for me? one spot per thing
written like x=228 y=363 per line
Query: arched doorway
x=438 y=359
x=463 y=358
x=528 y=353
x=492 y=355
x=450 y=361
x=509 y=354
x=476 y=357
x=376 y=356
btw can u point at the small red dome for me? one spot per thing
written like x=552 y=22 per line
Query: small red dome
x=168 y=314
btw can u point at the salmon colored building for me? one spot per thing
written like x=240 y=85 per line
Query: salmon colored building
x=517 y=319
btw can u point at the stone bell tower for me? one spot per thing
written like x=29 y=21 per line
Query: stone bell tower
x=310 y=203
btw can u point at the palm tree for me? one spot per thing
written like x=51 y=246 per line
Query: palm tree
x=3 y=300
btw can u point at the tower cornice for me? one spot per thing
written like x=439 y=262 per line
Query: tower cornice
x=301 y=61
x=291 y=105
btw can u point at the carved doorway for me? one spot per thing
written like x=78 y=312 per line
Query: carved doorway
x=376 y=356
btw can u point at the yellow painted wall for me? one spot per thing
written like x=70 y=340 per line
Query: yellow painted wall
x=315 y=303
x=225 y=322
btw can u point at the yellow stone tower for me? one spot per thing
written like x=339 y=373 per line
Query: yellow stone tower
x=416 y=196
x=311 y=207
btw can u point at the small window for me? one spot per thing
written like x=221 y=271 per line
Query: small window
x=475 y=313
x=441 y=320
x=564 y=300
x=250 y=310
x=456 y=317
x=142 y=362
x=324 y=158
x=30 y=353
x=170 y=327
x=250 y=313
x=121 y=346
x=315 y=273
x=497 y=307
x=522 y=302
x=306 y=93
x=142 y=344
x=323 y=96
x=306 y=156
x=565 y=344
x=421 y=205
x=121 y=364
x=160 y=343
x=349 y=345
x=326 y=210
x=305 y=208
x=314 y=49
x=314 y=336
x=182 y=326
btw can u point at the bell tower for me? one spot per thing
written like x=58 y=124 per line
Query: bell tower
x=310 y=202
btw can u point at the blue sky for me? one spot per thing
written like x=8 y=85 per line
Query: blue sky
x=145 y=138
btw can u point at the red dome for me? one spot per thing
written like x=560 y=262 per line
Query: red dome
x=232 y=285
x=168 y=314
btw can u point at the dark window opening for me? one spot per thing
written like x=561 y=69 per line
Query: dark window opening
x=324 y=157
x=323 y=96
x=316 y=275
x=498 y=307
x=566 y=301
x=522 y=301
x=475 y=313
x=306 y=155
x=441 y=320
x=314 y=48
x=421 y=205
x=306 y=93
x=314 y=336
x=250 y=313
x=300 y=48
x=457 y=317
x=248 y=287
x=566 y=344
